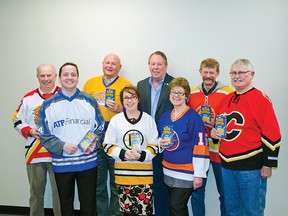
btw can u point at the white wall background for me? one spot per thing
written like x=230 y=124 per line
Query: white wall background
x=37 y=31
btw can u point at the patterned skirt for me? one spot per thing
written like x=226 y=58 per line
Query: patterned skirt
x=135 y=199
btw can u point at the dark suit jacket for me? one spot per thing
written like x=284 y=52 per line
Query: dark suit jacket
x=164 y=103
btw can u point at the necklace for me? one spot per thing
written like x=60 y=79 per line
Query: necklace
x=176 y=115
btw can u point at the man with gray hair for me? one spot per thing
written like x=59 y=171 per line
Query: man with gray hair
x=251 y=146
x=38 y=159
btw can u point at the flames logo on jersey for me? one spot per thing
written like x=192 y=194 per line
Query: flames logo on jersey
x=36 y=113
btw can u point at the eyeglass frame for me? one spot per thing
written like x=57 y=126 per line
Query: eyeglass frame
x=180 y=94
x=132 y=98
x=239 y=73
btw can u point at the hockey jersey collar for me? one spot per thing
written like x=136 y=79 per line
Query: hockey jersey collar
x=69 y=98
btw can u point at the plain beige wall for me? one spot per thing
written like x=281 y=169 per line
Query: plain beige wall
x=34 y=32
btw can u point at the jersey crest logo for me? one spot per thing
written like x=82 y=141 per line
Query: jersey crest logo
x=100 y=98
x=235 y=120
x=36 y=113
x=175 y=142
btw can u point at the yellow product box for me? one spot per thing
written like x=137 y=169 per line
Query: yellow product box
x=167 y=134
x=205 y=113
x=220 y=125
x=87 y=140
x=135 y=141
x=109 y=95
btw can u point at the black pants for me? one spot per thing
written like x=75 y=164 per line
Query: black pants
x=86 y=185
x=178 y=201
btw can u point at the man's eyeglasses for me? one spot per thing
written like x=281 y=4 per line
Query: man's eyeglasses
x=240 y=73
x=173 y=93
x=134 y=97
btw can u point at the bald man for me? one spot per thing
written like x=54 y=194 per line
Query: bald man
x=97 y=87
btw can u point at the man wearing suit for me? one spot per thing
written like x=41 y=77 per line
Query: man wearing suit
x=155 y=101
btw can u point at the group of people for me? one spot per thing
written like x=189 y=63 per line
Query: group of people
x=151 y=139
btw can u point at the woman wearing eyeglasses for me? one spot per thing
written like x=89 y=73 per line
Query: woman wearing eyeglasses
x=186 y=153
x=131 y=139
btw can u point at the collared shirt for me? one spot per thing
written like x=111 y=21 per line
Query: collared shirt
x=109 y=80
x=155 y=93
x=51 y=92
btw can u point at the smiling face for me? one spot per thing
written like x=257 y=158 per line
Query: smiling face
x=241 y=81
x=111 y=66
x=46 y=75
x=130 y=100
x=68 y=78
x=209 y=76
x=157 y=67
x=178 y=96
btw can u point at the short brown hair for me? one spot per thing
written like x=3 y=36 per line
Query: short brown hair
x=70 y=64
x=161 y=54
x=210 y=63
x=132 y=90
x=181 y=82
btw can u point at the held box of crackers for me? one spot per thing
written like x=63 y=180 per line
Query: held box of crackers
x=89 y=137
x=220 y=125
x=205 y=113
x=87 y=140
x=109 y=95
x=167 y=134
x=135 y=141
